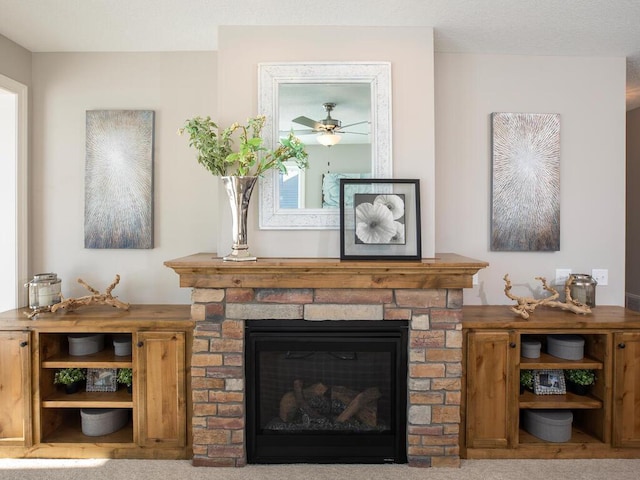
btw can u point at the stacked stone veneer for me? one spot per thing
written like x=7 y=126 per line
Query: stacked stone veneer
x=435 y=355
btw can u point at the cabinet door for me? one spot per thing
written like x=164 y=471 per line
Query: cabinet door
x=15 y=388
x=626 y=390
x=159 y=386
x=491 y=370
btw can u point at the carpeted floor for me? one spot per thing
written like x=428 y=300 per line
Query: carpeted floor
x=19 y=469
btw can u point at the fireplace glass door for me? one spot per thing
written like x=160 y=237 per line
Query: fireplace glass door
x=331 y=391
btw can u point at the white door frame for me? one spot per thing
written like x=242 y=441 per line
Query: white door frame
x=22 y=185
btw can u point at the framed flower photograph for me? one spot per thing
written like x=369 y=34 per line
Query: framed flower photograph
x=380 y=219
x=549 y=382
x=102 y=380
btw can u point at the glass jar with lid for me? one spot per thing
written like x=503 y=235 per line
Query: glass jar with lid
x=44 y=290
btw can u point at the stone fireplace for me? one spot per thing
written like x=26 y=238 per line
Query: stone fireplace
x=427 y=294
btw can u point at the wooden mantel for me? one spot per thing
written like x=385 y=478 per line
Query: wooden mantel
x=206 y=270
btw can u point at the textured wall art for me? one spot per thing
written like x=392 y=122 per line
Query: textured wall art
x=119 y=179
x=525 y=210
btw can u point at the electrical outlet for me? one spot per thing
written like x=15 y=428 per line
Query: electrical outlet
x=475 y=279
x=600 y=275
x=562 y=275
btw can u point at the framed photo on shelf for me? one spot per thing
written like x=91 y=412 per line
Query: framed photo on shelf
x=549 y=382
x=380 y=219
x=102 y=380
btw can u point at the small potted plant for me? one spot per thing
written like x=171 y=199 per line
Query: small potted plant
x=526 y=380
x=580 y=380
x=71 y=378
x=125 y=376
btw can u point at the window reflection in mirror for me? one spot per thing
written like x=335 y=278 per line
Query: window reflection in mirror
x=303 y=109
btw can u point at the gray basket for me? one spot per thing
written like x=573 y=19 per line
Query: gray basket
x=85 y=343
x=530 y=348
x=122 y=345
x=569 y=347
x=549 y=425
x=103 y=421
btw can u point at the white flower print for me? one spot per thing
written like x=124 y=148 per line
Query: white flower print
x=374 y=223
x=394 y=203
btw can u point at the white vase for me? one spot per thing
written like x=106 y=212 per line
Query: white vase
x=239 y=192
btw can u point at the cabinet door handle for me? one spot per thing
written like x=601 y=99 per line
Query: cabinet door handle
x=141 y=343
x=621 y=345
x=24 y=344
x=512 y=345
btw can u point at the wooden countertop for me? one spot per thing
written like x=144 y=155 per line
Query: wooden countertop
x=500 y=316
x=446 y=270
x=100 y=316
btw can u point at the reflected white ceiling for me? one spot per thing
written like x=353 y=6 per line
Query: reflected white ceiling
x=607 y=28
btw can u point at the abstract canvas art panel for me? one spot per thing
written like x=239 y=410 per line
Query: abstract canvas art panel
x=525 y=209
x=119 y=179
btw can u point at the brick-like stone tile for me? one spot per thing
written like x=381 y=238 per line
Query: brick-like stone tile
x=353 y=295
x=426 y=398
x=420 y=414
x=239 y=295
x=426 y=370
x=214 y=312
x=428 y=339
x=233 y=329
x=455 y=298
x=343 y=312
x=420 y=322
x=421 y=298
x=264 y=311
x=445 y=414
x=207 y=383
x=206 y=295
x=443 y=354
x=206 y=359
x=284 y=295
x=391 y=313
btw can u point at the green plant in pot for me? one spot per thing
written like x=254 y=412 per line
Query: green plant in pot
x=125 y=376
x=237 y=154
x=71 y=378
x=580 y=380
x=526 y=380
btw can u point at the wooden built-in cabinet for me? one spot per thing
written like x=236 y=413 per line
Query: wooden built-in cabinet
x=15 y=388
x=606 y=422
x=39 y=419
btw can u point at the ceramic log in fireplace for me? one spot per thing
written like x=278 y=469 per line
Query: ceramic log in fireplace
x=326 y=392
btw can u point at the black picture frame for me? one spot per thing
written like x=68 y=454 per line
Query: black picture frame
x=102 y=379
x=374 y=238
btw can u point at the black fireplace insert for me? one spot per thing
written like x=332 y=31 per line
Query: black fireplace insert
x=326 y=392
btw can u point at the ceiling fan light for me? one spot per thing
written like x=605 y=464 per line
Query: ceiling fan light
x=329 y=139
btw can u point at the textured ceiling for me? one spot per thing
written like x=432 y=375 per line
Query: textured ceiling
x=608 y=28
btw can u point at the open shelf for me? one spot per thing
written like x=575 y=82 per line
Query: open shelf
x=569 y=400
x=578 y=436
x=118 y=399
x=70 y=431
x=546 y=361
x=103 y=359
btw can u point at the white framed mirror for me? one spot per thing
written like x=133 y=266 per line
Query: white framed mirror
x=342 y=112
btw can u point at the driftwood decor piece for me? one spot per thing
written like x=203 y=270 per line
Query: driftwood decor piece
x=526 y=305
x=96 y=299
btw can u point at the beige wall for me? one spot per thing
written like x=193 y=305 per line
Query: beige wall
x=587 y=92
x=15 y=61
x=589 y=95
x=410 y=51
x=633 y=206
x=174 y=85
